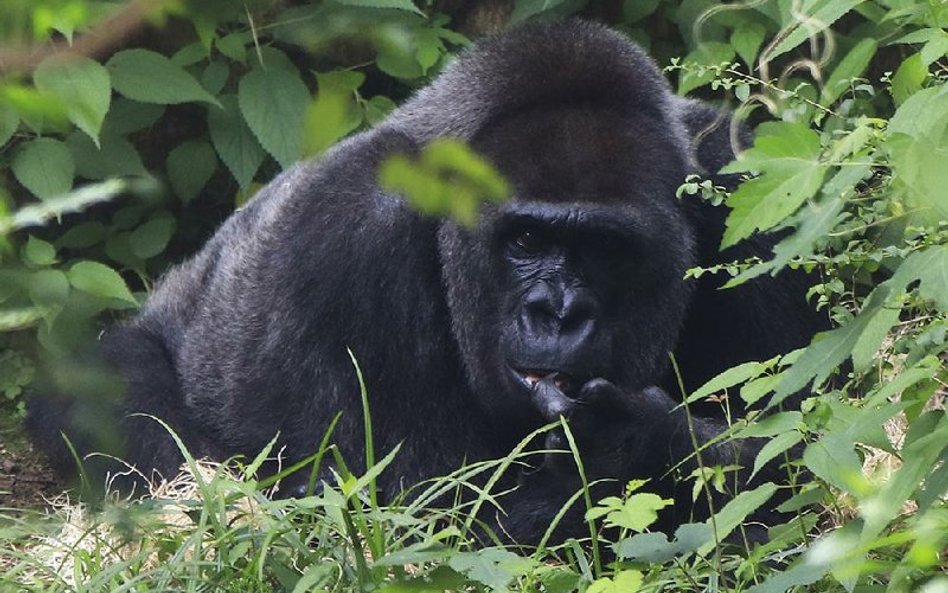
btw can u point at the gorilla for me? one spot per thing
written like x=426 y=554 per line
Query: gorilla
x=564 y=301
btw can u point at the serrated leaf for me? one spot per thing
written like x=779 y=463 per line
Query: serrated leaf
x=235 y=143
x=747 y=39
x=99 y=280
x=151 y=238
x=816 y=17
x=787 y=157
x=407 y=5
x=84 y=87
x=127 y=116
x=775 y=446
x=273 y=103
x=335 y=112
x=834 y=460
x=851 y=66
x=729 y=378
x=736 y=511
x=234 y=45
x=115 y=156
x=45 y=167
x=190 y=166
x=9 y=122
x=149 y=77
x=930 y=268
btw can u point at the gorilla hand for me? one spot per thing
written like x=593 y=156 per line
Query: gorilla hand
x=616 y=431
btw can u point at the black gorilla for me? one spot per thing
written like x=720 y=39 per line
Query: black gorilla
x=564 y=301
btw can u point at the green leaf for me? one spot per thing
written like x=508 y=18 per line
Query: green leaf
x=448 y=178
x=775 y=446
x=84 y=87
x=729 y=378
x=234 y=45
x=151 y=238
x=636 y=10
x=930 y=268
x=833 y=459
x=115 y=156
x=149 y=77
x=817 y=17
x=99 y=280
x=406 y=5
x=875 y=330
x=787 y=157
x=525 y=9
x=45 y=167
x=734 y=512
x=625 y=581
x=83 y=236
x=917 y=143
x=909 y=78
x=9 y=122
x=335 y=112
x=234 y=142
x=747 y=39
x=850 y=67
x=273 y=103
x=190 y=166
x=127 y=116
x=215 y=76
x=38 y=253
x=49 y=288
x=377 y=109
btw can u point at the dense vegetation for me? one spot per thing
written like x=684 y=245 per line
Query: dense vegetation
x=129 y=129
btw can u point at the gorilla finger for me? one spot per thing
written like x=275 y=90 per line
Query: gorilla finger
x=604 y=396
x=550 y=401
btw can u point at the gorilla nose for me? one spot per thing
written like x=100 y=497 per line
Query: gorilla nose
x=558 y=311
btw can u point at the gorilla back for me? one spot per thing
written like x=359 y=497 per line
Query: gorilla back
x=563 y=301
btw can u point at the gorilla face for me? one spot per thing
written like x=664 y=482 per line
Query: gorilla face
x=579 y=277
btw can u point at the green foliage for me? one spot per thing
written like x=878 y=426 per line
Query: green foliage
x=115 y=165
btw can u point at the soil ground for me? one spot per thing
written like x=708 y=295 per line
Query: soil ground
x=26 y=480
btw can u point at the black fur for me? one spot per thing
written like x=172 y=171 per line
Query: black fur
x=249 y=338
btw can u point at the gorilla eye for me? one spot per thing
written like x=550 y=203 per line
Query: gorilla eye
x=529 y=242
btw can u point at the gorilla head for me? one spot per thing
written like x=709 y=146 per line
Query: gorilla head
x=581 y=274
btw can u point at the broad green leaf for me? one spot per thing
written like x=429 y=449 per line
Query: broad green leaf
x=273 y=103
x=214 y=78
x=876 y=329
x=636 y=10
x=99 y=280
x=850 y=67
x=115 y=156
x=235 y=143
x=83 y=236
x=127 y=116
x=747 y=39
x=190 y=166
x=930 y=268
x=817 y=17
x=151 y=238
x=20 y=318
x=149 y=77
x=335 y=112
x=909 y=78
x=775 y=446
x=448 y=178
x=625 y=581
x=406 y=5
x=377 y=109
x=315 y=578
x=45 y=167
x=787 y=157
x=82 y=84
x=49 y=288
x=918 y=147
x=525 y=9
x=729 y=378
x=38 y=253
x=736 y=511
x=936 y=48
x=234 y=45
x=9 y=122
x=833 y=459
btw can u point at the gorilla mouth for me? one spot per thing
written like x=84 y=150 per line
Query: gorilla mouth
x=530 y=377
